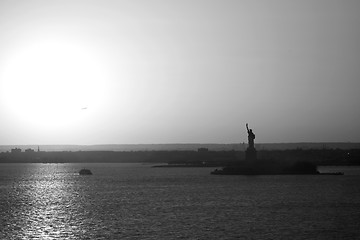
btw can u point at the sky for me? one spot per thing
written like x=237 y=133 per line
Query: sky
x=132 y=72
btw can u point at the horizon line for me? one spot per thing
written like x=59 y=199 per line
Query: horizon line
x=192 y=143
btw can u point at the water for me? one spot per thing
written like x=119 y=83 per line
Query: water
x=135 y=201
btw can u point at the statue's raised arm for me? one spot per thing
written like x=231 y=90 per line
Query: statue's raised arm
x=247 y=127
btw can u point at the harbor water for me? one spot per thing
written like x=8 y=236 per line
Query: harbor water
x=136 y=201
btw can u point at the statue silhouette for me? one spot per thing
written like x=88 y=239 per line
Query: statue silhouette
x=250 y=153
x=251 y=137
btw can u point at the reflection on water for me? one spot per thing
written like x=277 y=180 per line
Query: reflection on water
x=44 y=203
x=127 y=201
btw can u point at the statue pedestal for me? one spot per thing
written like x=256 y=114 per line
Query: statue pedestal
x=250 y=154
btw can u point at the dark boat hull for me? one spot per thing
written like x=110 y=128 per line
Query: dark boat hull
x=85 y=172
x=271 y=167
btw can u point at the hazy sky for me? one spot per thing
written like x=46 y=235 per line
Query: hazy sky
x=97 y=72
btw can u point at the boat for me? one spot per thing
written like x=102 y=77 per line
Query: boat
x=85 y=171
x=271 y=167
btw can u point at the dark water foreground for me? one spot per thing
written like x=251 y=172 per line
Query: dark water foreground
x=134 y=201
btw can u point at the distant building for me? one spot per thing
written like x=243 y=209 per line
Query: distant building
x=203 y=149
x=16 y=150
x=29 y=150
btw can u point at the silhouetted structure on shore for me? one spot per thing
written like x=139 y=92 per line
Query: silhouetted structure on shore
x=29 y=150
x=16 y=150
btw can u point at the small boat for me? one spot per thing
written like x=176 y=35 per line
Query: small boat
x=85 y=171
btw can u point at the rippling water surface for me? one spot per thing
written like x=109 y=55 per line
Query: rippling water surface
x=135 y=201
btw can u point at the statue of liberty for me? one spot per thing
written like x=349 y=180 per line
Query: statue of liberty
x=250 y=153
x=251 y=137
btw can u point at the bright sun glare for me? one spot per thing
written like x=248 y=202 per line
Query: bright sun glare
x=51 y=83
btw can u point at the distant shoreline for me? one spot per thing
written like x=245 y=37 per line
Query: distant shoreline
x=200 y=157
x=186 y=146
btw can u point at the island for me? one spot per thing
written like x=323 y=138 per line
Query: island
x=254 y=166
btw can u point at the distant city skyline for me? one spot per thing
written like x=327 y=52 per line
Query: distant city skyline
x=143 y=72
